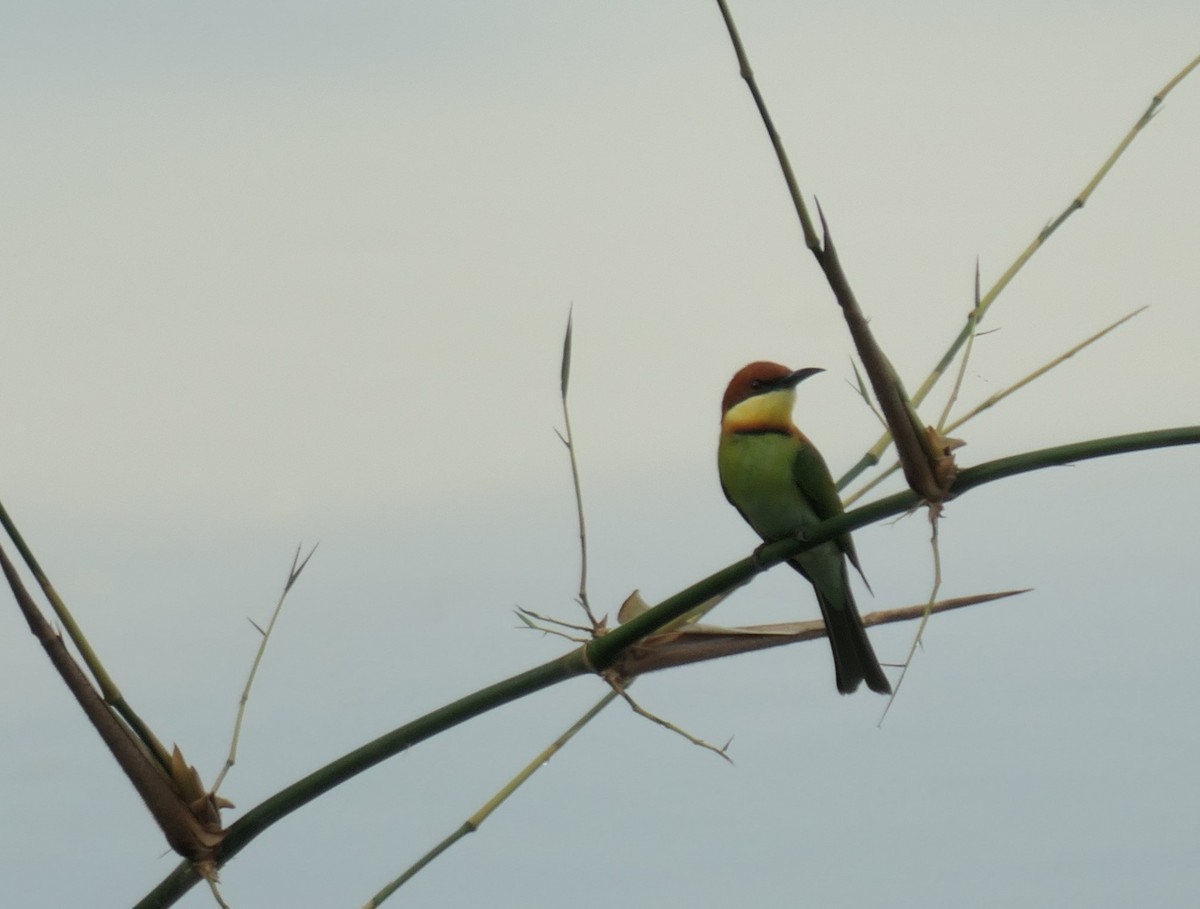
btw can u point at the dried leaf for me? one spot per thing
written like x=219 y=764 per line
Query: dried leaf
x=696 y=643
x=942 y=457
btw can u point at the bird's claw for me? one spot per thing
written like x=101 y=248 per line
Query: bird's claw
x=756 y=556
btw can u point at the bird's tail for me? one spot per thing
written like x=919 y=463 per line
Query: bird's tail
x=854 y=659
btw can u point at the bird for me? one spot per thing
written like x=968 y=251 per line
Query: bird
x=779 y=483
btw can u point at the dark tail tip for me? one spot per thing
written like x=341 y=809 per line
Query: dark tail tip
x=874 y=677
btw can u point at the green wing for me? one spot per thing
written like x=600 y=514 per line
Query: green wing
x=815 y=483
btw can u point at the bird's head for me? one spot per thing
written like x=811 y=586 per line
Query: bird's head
x=761 y=396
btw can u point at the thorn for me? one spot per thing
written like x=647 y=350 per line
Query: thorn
x=565 y=369
x=826 y=239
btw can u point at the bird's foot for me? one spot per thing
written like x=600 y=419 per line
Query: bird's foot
x=757 y=556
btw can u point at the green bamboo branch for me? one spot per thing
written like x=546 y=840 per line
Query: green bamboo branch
x=258 y=819
x=872 y=456
x=602 y=653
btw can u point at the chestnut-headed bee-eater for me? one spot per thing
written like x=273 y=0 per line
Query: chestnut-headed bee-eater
x=778 y=481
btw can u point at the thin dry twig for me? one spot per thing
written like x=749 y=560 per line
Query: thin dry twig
x=569 y=441
x=972 y=322
x=876 y=451
x=620 y=688
x=531 y=620
x=293 y=574
x=861 y=387
x=999 y=396
x=546 y=625
x=918 y=636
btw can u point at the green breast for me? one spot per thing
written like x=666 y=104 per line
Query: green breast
x=757 y=475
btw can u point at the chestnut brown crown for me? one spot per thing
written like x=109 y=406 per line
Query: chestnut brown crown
x=761 y=377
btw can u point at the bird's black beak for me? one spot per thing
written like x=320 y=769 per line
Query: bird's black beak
x=793 y=379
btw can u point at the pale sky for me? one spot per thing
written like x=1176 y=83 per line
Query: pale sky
x=299 y=272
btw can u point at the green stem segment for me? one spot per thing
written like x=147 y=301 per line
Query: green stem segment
x=475 y=821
